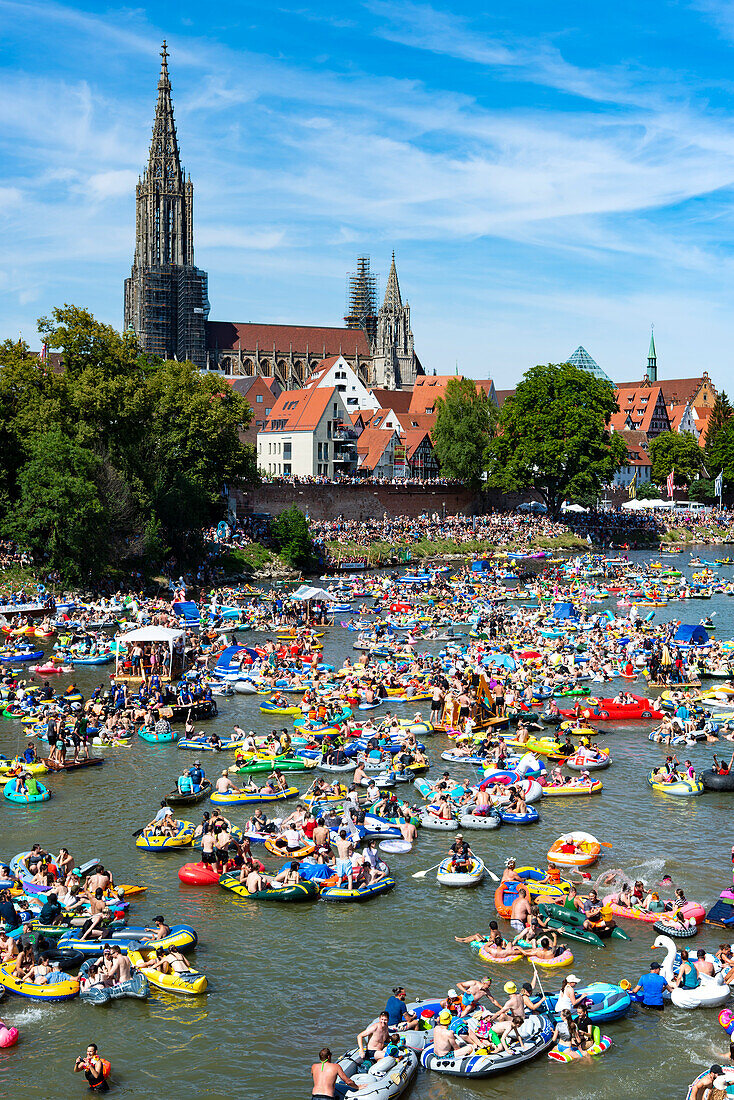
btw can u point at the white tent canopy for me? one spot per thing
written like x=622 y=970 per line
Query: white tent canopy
x=305 y=592
x=639 y=505
x=573 y=508
x=152 y=634
x=167 y=634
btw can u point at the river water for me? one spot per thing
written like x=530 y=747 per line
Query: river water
x=285 y=980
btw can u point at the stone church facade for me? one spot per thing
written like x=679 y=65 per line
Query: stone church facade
x=166 y=301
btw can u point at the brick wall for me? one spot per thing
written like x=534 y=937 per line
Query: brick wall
x=370 y=501
x=356 y=501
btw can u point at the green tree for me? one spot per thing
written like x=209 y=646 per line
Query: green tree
x=59 y=514
x=193 y=449
x=461 y=435
x=648 y=491
x=292 y=538
x=554 y=435
x=163 y=438
x=22 y=386
x=702 y=490
x=679 y=452
x=720 y=440
x=720 y=414
x=720 y=453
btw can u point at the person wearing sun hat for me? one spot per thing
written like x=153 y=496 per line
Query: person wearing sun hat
x=568 y=998
x=514 y=1006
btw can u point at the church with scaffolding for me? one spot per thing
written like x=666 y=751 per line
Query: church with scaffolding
x=167 y=307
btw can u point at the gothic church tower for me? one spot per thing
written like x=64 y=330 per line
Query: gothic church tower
x=166 y=295
x=394 y=363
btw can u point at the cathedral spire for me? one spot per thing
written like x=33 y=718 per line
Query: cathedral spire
x=392 y=301
x=166 y=295
x=164 y=163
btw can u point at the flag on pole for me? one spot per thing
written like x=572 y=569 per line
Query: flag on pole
x=632 y=489
x=671 y=483
x=719 y=485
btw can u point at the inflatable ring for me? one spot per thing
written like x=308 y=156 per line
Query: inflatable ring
x=675 y=929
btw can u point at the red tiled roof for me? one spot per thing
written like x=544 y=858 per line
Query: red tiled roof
x=702 y=417
x=231 y=336
x=413 y=440
x=502 y=396
x=301 y=410
x=636 y=405
x=676 y=414
x=411 y=422
x=674 y=390
x=243 y=385
x=636 y=443
x=372 y=444
x=398 y=400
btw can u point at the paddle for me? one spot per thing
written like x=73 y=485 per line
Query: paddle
x=606 y=843
x=422 y=874
x=491 y=874
x=138 y=832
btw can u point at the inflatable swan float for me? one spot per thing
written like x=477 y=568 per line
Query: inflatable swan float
x=709 y=993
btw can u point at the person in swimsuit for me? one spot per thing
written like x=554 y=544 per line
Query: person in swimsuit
x=325 y=1074
x=92 y=1068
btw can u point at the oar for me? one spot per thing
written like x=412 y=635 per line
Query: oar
x=422 y=874
x=491 y=874
x=606 y=844
x=139 y=832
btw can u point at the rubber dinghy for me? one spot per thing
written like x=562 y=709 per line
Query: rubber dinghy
x=447 y=876
x=537 y=1036
x=136 y=986
x=385 y=1080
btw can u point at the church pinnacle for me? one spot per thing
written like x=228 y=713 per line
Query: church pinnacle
x=392 y=301
x=652 y=358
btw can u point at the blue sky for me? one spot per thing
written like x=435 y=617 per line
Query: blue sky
x=548 y=175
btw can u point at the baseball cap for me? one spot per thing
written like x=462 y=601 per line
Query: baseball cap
x=572 y=978
x=453 y=993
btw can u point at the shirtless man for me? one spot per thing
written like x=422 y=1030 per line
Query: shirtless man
x=117 y=966
x=520 y=909
x=325 y=1074
x=704 y=1088
x=373 y=1040
x=99 y=913
x=445 y=1042
x=251 y=878
x=359 y=773
x=160 y=931
x=703 y=965
x=408 y=831
x=207 y=848
x=100 y=880
x=322 y=839
x=476 y=990
x=513 y=1006
x=224 y=783
x=510 y=874
x=345 y=851
x=64 y=863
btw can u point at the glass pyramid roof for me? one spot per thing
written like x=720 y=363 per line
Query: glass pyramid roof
x=581 y=358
